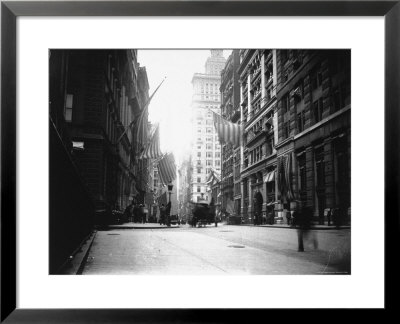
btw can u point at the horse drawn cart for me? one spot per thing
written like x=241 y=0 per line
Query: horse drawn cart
x=202 y=214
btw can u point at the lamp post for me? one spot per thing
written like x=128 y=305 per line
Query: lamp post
x=170 y=186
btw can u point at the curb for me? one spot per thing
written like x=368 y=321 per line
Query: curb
x=86 y=255
x=288 y=227
x=78 y=258
x=138 y=227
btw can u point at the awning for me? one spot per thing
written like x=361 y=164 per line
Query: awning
x=270 y=177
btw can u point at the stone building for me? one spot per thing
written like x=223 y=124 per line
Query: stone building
x=313 y=147
x=230 y=110
x=258 y=85
x=184 y=192
x=206 y=150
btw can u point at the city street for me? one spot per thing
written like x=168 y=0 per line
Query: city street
x=210 y=250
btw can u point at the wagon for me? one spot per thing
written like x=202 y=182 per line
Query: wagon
x=202 y=215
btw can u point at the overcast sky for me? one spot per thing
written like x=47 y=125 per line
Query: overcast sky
x=170 y=106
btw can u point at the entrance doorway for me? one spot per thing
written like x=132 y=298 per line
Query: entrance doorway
x=258 y=202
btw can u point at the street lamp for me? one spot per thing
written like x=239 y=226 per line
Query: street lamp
x=170 y=186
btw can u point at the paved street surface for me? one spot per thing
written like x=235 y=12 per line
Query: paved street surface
x=210 y=250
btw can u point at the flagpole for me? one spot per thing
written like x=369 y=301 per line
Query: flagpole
x=144 y=107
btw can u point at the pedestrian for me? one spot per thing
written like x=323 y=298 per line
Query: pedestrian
x=303 y=223
x=135 y=213
x=128 y=213
x=289 y=217
x=162 y=214
x=212 y=212
x=144 y=214
x=336 y=216
x=328 y=215
x=167 y=213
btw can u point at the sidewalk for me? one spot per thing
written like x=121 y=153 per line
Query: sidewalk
x=131 y=225
x=158 y=226
x=314 y=227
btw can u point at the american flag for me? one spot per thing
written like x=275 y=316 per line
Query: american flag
x=141 y=124
x=141 y=130
x=167 y=168
x=152 y=151
x=227 y=132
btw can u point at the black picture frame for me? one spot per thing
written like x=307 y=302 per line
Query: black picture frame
x=10 y=10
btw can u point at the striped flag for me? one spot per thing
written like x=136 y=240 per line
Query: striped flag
x=227 y=132
x=152 y=150
x=141 y=130
x=141 y=124
x=167 y=168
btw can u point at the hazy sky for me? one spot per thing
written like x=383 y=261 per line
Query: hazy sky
x=170 y=106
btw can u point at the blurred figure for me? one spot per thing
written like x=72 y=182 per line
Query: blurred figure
x=337 y=217
x=289 y=217
x=212 y=212
x=128 y=212
x=162 y=214
x=135 y=213
x=302 y=218
x=167 y=213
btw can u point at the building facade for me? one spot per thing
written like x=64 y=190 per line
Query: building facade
x=206 y=150
x=103 y=92
x=184 y=191
x=230 y=110
x=313 y=148
x=258 y=84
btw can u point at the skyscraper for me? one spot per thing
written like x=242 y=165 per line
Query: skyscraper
x=206 y=149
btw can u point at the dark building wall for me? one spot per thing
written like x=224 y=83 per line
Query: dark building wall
x=71 y=209
x=314 y=124
x=99 y=87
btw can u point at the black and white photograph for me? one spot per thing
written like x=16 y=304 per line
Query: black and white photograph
x=200 y=161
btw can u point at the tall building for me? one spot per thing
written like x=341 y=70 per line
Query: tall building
x=206 y=150
x=184 y=194
x=94 y=96
x=258 y=80
x=230 y=110
x=313 y=149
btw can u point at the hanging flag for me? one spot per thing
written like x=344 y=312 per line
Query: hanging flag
x=214 y=177
x=141 y=124
x=167 y=168
x=227 y=132
x=141 y=130
x=288 y=176
x=136 y=121
x=152 y=150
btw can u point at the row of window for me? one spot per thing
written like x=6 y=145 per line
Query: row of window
x=209 y=154
x=208 y=170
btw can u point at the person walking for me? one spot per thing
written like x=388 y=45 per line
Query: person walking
x=162 y=214
x=128 y=213
x=167 y=213
x=302 y=219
